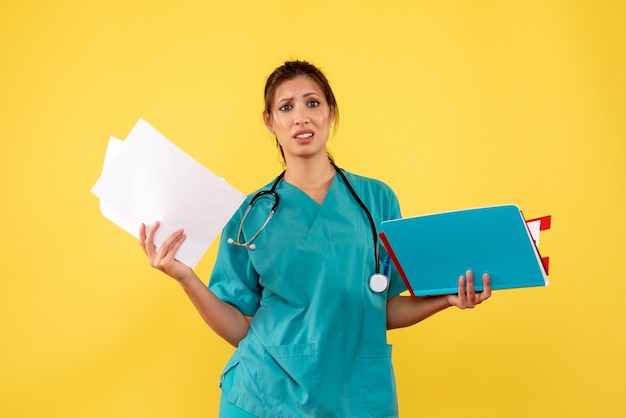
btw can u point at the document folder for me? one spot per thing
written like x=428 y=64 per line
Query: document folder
x=432 y=251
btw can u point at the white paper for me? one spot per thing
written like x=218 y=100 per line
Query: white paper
x=534 y=227
x=146 y=178
x=109 y=212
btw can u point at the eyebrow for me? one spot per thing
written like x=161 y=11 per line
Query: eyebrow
x=287 y=99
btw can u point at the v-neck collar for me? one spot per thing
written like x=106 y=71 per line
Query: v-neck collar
x=333 y=220
x=319 y=205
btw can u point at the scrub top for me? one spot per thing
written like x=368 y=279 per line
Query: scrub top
x=317 y=344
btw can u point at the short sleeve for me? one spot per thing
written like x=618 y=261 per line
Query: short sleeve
x=234 y=279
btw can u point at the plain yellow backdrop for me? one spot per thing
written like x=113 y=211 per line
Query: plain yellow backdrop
x=454 y=104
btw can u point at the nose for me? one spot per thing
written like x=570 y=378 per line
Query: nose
x=301 y=116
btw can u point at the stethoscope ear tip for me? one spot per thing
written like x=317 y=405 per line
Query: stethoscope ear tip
x=245 y=245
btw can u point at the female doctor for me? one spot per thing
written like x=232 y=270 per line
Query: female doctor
x=299 y=284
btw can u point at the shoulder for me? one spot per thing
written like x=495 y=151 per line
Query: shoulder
x=376 y=195
x=368 y=183
x=239 y=213
x=265 y=188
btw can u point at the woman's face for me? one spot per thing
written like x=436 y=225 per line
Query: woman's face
x=301 y=118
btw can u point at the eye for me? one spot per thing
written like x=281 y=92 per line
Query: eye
x=285 y=107
x=313 y=103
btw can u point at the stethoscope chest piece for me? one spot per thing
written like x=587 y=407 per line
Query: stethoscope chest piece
x=378 y=282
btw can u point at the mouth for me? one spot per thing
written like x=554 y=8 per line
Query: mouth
x=303 y=137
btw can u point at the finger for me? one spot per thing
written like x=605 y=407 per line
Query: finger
x=164 y=259
x=152 y=231
x=173 y=249
x=142 y=236
x=145 y=242
x=462 y=297
x=166 y=246
x=471 y=292
x=486 y=293
x=149 y=246
x=472 y=296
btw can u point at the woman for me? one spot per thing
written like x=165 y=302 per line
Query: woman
x=294 y=294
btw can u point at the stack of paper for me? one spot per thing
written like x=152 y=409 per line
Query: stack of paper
x=146 y=179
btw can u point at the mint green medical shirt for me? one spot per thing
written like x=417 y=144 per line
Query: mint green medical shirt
x=317 y=344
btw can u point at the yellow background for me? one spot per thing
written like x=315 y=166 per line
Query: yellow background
x=454 y=104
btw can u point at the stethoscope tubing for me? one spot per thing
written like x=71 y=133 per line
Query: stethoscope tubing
x=367 y=212
x=272 y=192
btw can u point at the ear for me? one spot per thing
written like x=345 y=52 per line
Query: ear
x=267 y=120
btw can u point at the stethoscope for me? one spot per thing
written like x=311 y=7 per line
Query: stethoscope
x=378 y=281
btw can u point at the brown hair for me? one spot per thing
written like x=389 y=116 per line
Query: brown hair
x=290 y=70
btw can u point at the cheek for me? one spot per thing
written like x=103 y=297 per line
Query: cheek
x=323 y=119
x=280 y=121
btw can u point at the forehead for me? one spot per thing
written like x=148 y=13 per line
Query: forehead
x=297 y=87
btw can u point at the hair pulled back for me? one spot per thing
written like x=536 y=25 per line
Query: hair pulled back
x=290 y=70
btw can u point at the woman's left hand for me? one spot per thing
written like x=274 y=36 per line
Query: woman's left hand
x=467 y=296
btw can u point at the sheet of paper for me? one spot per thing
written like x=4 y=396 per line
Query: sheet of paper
x=146 y=178
x=110 y=213
x=533 y=227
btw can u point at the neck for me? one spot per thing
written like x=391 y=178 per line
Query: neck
x=309 y=172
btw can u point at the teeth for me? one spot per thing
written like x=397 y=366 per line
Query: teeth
x=307 y=135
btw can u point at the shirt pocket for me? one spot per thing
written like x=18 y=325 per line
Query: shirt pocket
x=228 y=373
x=378 y=380
x=288 y=373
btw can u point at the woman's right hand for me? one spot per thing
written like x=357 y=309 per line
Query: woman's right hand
x=225 y=319
x=162 y=258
